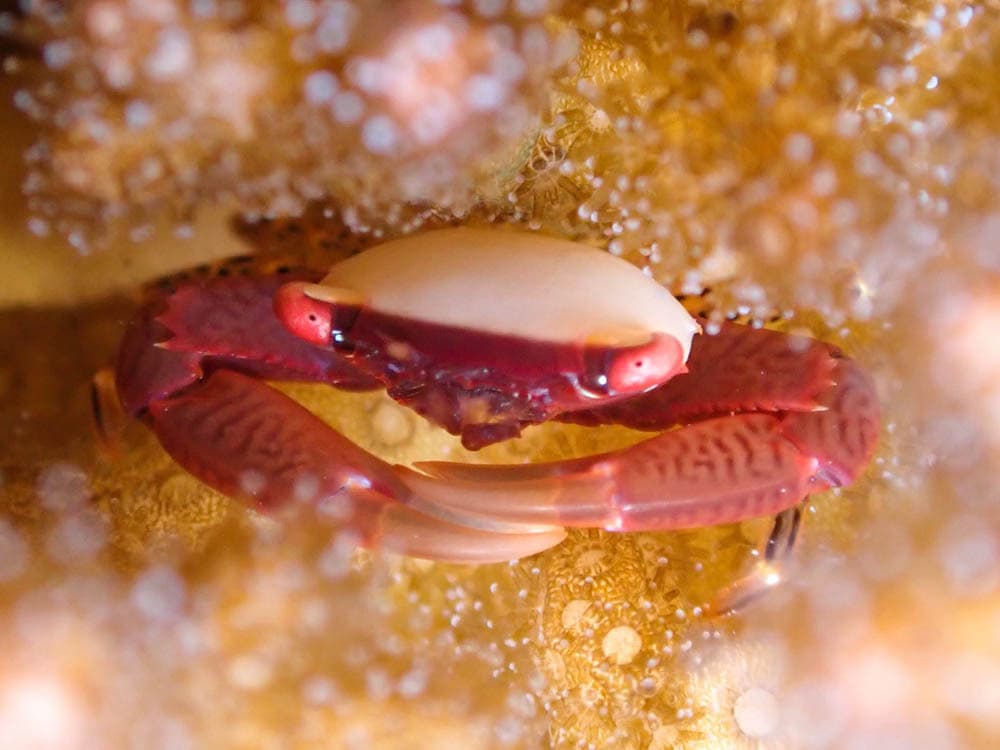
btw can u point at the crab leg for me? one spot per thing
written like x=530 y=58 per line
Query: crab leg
x=738 y=369
x=827 y=403
x=725 y=467
x=225 y=323
x=249 y=441
x=767 y=572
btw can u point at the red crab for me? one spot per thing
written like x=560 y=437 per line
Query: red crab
x=485 y=332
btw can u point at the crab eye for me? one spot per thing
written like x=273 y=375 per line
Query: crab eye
x=640 y=368
x=307 y=318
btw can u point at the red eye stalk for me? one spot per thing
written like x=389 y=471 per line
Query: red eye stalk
x=639 y=368
x=304 y=316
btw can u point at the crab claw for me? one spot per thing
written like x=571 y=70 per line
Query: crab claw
x=251 y=442
x=720 y=469
x=716 y=471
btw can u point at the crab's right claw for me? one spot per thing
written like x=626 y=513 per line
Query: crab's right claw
x=247 y=440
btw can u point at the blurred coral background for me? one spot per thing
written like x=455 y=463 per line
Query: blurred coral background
x=830 y=165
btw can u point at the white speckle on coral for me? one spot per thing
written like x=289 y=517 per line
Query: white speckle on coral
x=531 y=7
x=138 y=114
x=621 y=644
x=335 y=561
x=300 y=13
x=337 y=507
x=347 y=107
x=847 y=11
x=823 y=182
x=573 y=612
x=58 y=54
x=38 y=712
x=391 y=423
x=378 y=684
x=434 y=42
x=249 y=672
x=509 y=730
x=13 y=552
x=77 y=538
x=380 y=135
x=489 y=8
x=159 y=594
x=368 y=74
x=435 y=119
x=105 y=20
x=319 y=691
x=970 y=555
x=413 y=683
x=594 y=17
x=799 y=147
x=173 y=55
x=756 y=712
x=62 y=487
x=484 y=92
x=508 y=66
x=334 y=31
x=320 y=86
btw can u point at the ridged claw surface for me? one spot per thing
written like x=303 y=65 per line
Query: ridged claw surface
x=251 y=442
x=816 y=429
x=719 y=470
x=230 y=323
x=843 y=434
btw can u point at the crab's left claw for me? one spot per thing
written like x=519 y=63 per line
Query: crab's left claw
x=249 y=441
x=718 y=470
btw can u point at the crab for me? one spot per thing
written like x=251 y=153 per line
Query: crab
x=486 y=332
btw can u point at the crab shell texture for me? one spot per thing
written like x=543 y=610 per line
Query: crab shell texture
x=487 y=331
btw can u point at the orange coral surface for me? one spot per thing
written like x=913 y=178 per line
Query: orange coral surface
x=834 y=162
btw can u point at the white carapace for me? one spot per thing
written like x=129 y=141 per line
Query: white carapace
x=512 y=283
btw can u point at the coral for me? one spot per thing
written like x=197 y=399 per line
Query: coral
x=824 y=166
